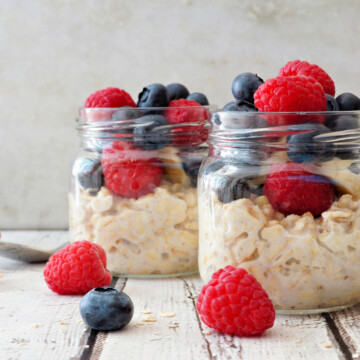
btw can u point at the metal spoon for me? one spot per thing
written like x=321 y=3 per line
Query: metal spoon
x=27 y=252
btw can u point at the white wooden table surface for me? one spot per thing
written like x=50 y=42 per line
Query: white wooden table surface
x=36 y=323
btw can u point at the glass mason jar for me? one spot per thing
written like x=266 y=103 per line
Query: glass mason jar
x=134 y=187
x=279 y=195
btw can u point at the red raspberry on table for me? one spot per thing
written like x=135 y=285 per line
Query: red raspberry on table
x=76 y=269
x=110 y=97
x=128 y=171
x=234 y=303
x=292 y=188
x=303 y=68
x=186 y=111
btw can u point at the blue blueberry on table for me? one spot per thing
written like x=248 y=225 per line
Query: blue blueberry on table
x=177 y=91
x=154 y=95
x=348 y=102
x=244 y=86
x=106 y=309
x=200 y=98
x=304 y=146
x=331 y=104
x=240 y=105
x=89 y=174
x=149 y=133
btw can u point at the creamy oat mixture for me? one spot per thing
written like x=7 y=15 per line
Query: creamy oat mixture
x=302 y=262
x=155 y=234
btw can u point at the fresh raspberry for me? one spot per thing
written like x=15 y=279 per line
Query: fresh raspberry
x=76 y=269
x=234 y=303
x=291 y=94
x=303 y=68
x=293 y=189
x=128 y=171
x=109 y=98
x=187 y=111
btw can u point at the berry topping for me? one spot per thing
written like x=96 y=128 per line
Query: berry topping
x=177 y=91
x=239 y=105
x=199 y=98
x=76 y=269
x=106 y=309
x=130 y=172
x=331 y=104
x=89 y=172
x=292 y=189
x=303 y=68
x=187 y=111
x=109 y=98
x=234 y=303
x=304 y=146
x=244 y=86
x=154 y=95
x=348 y=101
x=290 y=93
x=149 y=134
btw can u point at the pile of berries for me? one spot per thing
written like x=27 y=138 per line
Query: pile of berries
x=129 y=167
x=300 y=87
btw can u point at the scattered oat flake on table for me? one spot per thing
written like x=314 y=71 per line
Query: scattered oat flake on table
x=167 y=314
x=206 y=332
x=35 y=326
x=149 y=318
x=327 y=345
x=173 y=324
x=63 y=323
x=146 y=311
x=297 y=341
x=1 y=275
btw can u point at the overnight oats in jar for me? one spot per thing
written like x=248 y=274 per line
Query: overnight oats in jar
x=134 y=184
x=279 y=195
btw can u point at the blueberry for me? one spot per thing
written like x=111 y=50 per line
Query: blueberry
x=177 y=91
x=331 y=104
x=345 y=122
x=89 y=173
x=232 y=183
x=106 y=309
x=342 y=122
x=348 y=101
x=304 y=148
x=239 y=105
x=200 y=98
x=148 y=134
x=231 y=120
x=244 y=86
x=154 y=95
x=126 y=113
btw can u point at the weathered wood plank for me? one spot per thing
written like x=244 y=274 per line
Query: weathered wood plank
x=292 y=337
x=348 y=324
x=36 y=323
x=156 y=340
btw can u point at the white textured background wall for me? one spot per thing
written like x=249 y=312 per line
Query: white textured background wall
x=54 y=53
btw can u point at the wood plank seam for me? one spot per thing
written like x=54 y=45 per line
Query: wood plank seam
x=344 y=348
x=97 y=339
x=192 y=297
